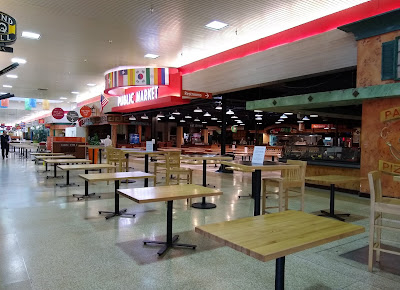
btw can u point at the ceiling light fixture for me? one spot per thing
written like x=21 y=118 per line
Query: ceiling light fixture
x=277 y=122
x=234 y=117
x=258 y=115
x=258 y=111
x=230 y=112
x=197 y=110
x=258 y=119
x=91 y=85
x=204 y=122
x=281 y=120
x=214 y=119
x=218 y=107
x=63 y=98
x=196 y=120
x=216 y=25
x=12 y=76
x=18 y=60
x=288 y=114
x=219 y=121
x=314 y=116
x=300 y=121
x=158 y=119
x=160 y=115
x=30 y=35
x=171 y=117
x=132 y=118
x=188 y=117
x=150 y=55
x=176 y=112
x=7 y=86
x=207 y=114
x=145 y=117
x=283 y=116
x=305 y=118
x=182 y=121
x=75 y=93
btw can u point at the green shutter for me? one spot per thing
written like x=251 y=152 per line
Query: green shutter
x=388 y=71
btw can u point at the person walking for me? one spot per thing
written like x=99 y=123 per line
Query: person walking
x=5 y=144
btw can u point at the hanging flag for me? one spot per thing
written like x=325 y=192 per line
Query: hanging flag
x=45 y=105
x=32 y=103
x=103 y=102
x=27 y=105
x=5 y=103
x=140 y=76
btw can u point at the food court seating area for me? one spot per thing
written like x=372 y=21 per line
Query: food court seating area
x=50 y=239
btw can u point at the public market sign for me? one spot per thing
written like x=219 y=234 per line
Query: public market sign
x=8 y=32
x=140 y=96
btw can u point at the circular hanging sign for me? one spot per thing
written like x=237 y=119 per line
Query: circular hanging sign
x=233 y=129
x=57 y=113
x=86 y=112
x=72 y=116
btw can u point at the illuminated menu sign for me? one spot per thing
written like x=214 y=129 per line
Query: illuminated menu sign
x=139 y=96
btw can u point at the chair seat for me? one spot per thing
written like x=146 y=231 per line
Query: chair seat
x=180 y=169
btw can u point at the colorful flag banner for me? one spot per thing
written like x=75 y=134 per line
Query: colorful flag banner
x=27 y=105
x=45 y=105
x=32 y=103
x=137 y=77
x=103 y=102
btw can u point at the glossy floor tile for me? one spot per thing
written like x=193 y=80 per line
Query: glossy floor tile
x=49 y=240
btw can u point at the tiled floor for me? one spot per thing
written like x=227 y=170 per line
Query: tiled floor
x=49 y=240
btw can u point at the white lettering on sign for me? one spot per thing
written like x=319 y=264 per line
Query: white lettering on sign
x=141 y=96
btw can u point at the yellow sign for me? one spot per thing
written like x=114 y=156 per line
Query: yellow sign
x=388 y=167
x=8 y=29
x=390 y=114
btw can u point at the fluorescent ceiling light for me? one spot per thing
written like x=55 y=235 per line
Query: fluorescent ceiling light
x=132 y=118
x=171 y=117
x=75 y=93
x=277 y=122
x=281 y=120
x=214 y=119
x=207 y=114
x=145 y=117
x=12 y=76
x=288 y=114
x=217 y=25
x=160 y=115
x=196 y=120
x=314 y=116
x=63 y=98
x=188 y=117
x=176 y=112
x=150 y=55
x=91 y=85
x=230 y=112
x=306 y=118
x=234 y=117
x=7 y=86
x=18 y=60
x=30 y=35
x=197 y=110
x=283 y=116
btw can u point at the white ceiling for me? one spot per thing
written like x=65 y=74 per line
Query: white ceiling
x=81 y=39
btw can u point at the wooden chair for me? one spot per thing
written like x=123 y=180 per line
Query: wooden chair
x=379 y=206
x=290 y=178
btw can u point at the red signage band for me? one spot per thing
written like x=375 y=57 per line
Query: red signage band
x=152 y=104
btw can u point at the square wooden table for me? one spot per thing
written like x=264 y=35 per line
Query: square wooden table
x=116 y=176
x=332 y=180
x=168 y=193
x=85 y=167
x=277 y=235
x=255 y=169
x=63 y=160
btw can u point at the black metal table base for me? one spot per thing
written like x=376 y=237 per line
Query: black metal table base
x=167 y=245
x=67 y=185
x=335 y=215
x=121 y=213
x=129 y=181
x=203 y=204
x=89 y=195
x=331 y=212
x=280 y=273
x=54 y=177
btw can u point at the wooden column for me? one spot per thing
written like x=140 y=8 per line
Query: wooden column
x=204 y=133
x=179 y=136
x=114 y=135
x=139 y=131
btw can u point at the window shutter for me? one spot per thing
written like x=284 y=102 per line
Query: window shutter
x=388 y=71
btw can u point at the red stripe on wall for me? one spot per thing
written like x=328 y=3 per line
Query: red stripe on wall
x=318 y=26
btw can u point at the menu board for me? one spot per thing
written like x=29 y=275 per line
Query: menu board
x=258 y=154
x=149 y=146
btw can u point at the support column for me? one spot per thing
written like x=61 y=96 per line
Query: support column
x=223 y=127
x=154 y=124
x=114 y=135
x=179 y=136
x=204 y=133
x=139 y=131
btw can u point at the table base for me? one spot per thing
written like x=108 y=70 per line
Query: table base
x=201 y=205
x=121 y=213
x=53 y=177
x=280 y=273
x=169 y=245
x=333 y=215
x=67 y=185
x=129 y=181
x=82 y=196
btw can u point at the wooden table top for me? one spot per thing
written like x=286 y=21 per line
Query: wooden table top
x=266 y=166
x=333 y=179
x=55 y=157
x=93 y=146
x=46 y=153
x=206 y=157
x=116 y=176
x=89 y=166
x=52 y=161
x=169 y=192
x=271 y=236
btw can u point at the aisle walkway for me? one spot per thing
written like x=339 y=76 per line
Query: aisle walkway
x=49 y=240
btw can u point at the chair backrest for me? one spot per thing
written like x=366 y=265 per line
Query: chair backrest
x=114 y=155
x=295 y=174
x=173 y=159
x=375 y=186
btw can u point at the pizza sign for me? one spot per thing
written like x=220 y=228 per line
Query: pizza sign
x=8 y=29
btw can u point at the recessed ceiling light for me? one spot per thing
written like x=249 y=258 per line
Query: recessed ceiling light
x=12 y=76
x=63 y=98
x=75 y=93
x=288 y=114
x=7 y=86
x=214 y=119
x=230 y=112
x=150 y=55
x=314 y=116
x=188 y=117
x=176 y=113
x=30 y=35
x=91 y=85
x=207 y=114
x=18 y=60
x=217 y=25
x=197 y=110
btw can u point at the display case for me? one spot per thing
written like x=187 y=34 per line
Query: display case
x=319 y=152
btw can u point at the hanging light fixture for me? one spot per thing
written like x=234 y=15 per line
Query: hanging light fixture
x=234 y=117
x=214 y=119
x=176 y=112
x=258 y=115
x=197 y=110
x=258 y=119
x=182 y=121
x=204 y=122
x=288 y=113
x=314 y=116
x=230 y=112
x=132 y=118
x=219 y=121
x=160 y=115
x=258 y=111
x=145 y=117
x=283 y=116
x=197 y=120
x=171 y=117
x=207 y=114
x=158 y=119
x=300 y=121
x=305 y=118
x=218 y=107
x=188 y=117
x=281 y=120
x=277 y=122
